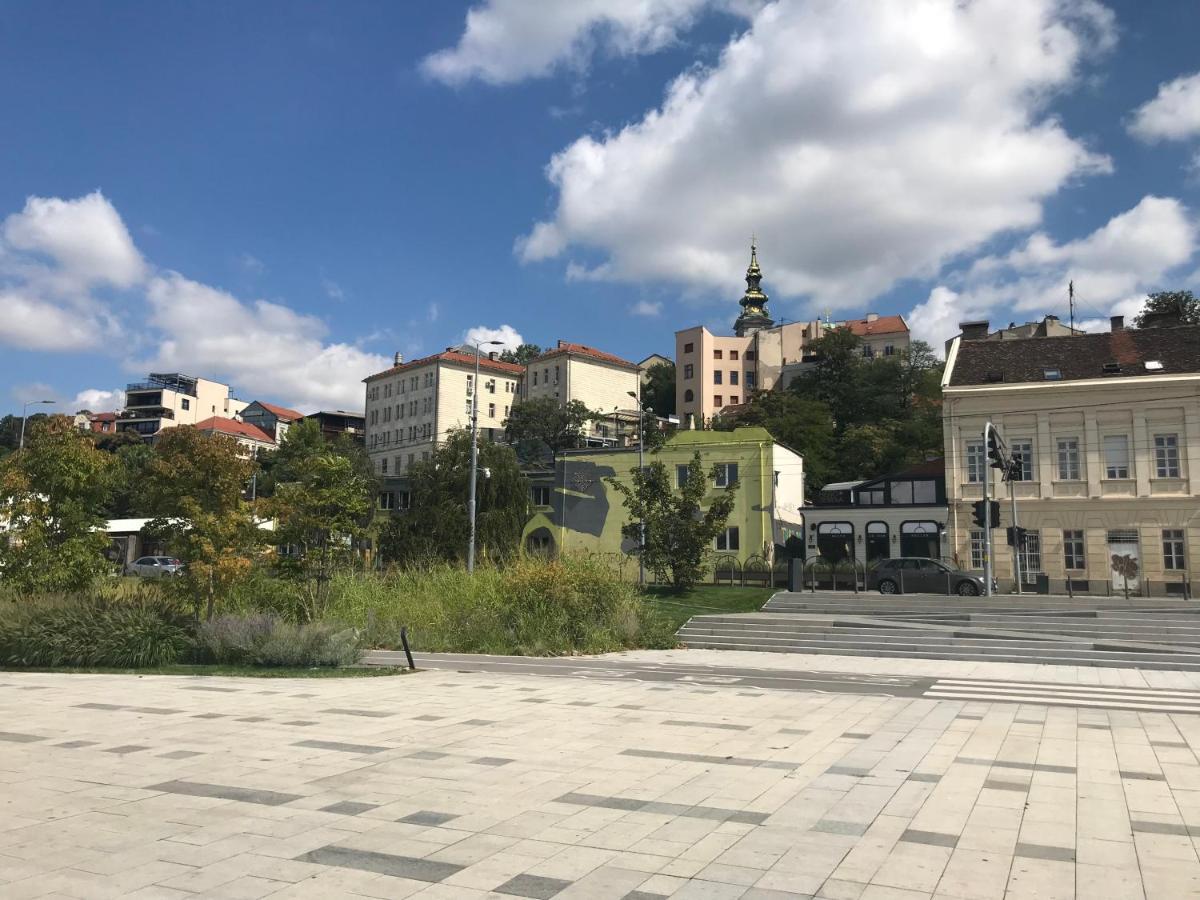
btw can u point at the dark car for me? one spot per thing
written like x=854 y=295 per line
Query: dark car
x=919 y=575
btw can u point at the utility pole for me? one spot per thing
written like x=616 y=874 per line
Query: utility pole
x=987 y=519
x=474 y=454
x=1071 y=302
x=637 y=397
x=1012 y=494
x=24 y=416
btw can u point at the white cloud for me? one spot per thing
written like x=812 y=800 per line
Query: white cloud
x=34 y=324
x=506 y=41
x=1173 y=114
x=508 y=336
x=865 y=141
x=252 y=264
x=1113 y=268
x=97 y=400
x=649 y=308
x=333 y=290
x=264 y=349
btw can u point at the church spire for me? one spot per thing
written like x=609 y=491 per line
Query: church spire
x=754 y=315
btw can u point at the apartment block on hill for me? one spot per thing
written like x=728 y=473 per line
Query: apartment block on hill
x=1107 y=428
x=718 y=371
x=601 y=381
x=251 y=439
x=164 y=400
x=270 y=418
x=411 y=407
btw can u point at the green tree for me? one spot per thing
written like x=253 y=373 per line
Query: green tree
x=658 y=390
x=130 y=474
x=194 y=490
x=321 y=512
x=1177 y=303
x=52 y=495
x=436 y=527
x=10 y=430
x=801 y=424
x=546 y=423
x=522 y=355
x=679 y=530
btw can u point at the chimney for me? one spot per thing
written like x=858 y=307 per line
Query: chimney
x=974 y=331
x=872 y=317
x=492 y=355
x=1116 y=323
x=398 y=359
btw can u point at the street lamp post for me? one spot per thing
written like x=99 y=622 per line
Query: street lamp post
x=641 y=445
x=24 y=411
x=474 y=452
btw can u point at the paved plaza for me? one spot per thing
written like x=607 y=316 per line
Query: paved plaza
x=689 y=774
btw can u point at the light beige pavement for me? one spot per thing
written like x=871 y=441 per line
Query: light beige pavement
x=446 y=784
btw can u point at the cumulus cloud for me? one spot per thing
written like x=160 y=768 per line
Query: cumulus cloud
x=508 y=336
x=648 y=308
x=506 y=41
x=1173 y=114
x=1113 y=269
x=97 y=400
x=865 y=141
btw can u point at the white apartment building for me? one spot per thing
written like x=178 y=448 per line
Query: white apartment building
x=411 y=407
x=599 y=380
x=1108 y=430
x=164 y=400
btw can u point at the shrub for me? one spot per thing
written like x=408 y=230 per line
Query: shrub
x=90 y=633
x=266 y=640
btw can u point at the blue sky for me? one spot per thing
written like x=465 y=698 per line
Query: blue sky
x=283 y=194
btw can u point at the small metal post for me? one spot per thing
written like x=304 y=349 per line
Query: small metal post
x=407 y=649
x=901 y=571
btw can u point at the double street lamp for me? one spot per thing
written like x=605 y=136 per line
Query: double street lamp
x=641 y=445
x=24 y=411
x=475 y=450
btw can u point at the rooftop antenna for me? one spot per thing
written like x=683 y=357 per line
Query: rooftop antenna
x=1071 y=302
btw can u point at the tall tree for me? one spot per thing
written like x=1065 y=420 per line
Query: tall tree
x=658 y=390
x=801 y=424
x=545 y=423
x=679 y=530
x=833 y=378
x=522 y=355
x=195 y=491
x=1177 y=303
x=321 y=512
x=52 y=495
x=436 y=527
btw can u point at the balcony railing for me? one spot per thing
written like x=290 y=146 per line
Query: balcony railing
x=149 y=412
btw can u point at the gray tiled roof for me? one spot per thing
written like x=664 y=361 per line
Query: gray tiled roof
x=1079 y=357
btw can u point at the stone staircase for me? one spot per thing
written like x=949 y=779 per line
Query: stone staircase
x=1092 y=632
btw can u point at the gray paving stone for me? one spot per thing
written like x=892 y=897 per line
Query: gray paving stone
x=1043 y=851
x=426 y=754
x=1144 y=827
x=630 y=804
x=479 y=722
x=300 y=722
x=367 y=713
x=155 y=710
x=1143 y=776
x=1174 y=745
x=340 y=747
x=832 y=826
x=535 y=886
x=492 y=761
x=72 y=745
x=1095 y=726
x=109 y=706
x=933 y=838
x=180 y=754
x=349 y=808
x=14 y=737
x=996 y=784
x=725 y=726
x=710 y=760
x=848 y=770
x=644 y=895
x=253 y=719
x=127 y=748
x=381 y=863
x=926 y=777
x=224 y=792
x=427 y=817
x=428 y=718
x=206 y=687
x=971 y=716
x=855 y=735
x=209 y=715
x=587 y=702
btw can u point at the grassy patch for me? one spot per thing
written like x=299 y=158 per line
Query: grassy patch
x=225 y=671
x=705 y=599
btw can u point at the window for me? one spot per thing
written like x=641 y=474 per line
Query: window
x=716 y=354
x=902 y=492
x=681 y=476
x=185 y=403
x=541 y=495
x=889 y=350
x=468 y=408
x=727 y=474
x=749 y=355
x=1166 y=455
x=976 y=462
x=383 y=466
x=387 y=500
x=492 y=410
x=728 y=539
x=733 y=354
x=1052 y=374
x=688 y=396
x=403 y=498
x=689 y=370
x=733 y=377
x=734 y=399
x=1173 y=555
x=1116 y=455
x=1068 y=459
x=749 y=380
x=1023 y=449
x=1031 y=553
x=688 y=348
x=717 y=376
x=490 y=385
x=718 y=401
x=977 y=550
x=535 y=377
x=1074 y=554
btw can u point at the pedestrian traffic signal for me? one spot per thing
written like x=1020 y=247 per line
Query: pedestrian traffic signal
x=980 y=515
x=996 y=451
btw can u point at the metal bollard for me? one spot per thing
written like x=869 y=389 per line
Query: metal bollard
x=407 y=649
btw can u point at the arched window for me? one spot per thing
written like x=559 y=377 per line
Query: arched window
x=688 y=396
x=877 y=541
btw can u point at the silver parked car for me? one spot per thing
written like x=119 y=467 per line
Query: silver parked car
x=919 y=575
x=154 y=567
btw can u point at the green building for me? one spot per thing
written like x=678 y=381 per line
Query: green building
x=576 y=510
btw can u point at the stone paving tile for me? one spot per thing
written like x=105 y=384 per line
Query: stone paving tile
x=380 y=863
x=361 y=749
x=536 y=886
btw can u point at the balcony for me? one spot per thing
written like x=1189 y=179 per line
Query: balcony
x=146 y=412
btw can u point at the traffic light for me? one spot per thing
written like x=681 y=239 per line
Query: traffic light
x=1016 y=536
x=1016 y=465
x=980 y=512
x=996 y=451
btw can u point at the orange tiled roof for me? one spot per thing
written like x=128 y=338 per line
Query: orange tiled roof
x=453 y=356
x=281 y=412
x=584 y=350
x=882 y=325
x=234 y=428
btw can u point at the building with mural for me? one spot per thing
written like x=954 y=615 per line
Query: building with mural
x=577 y=510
